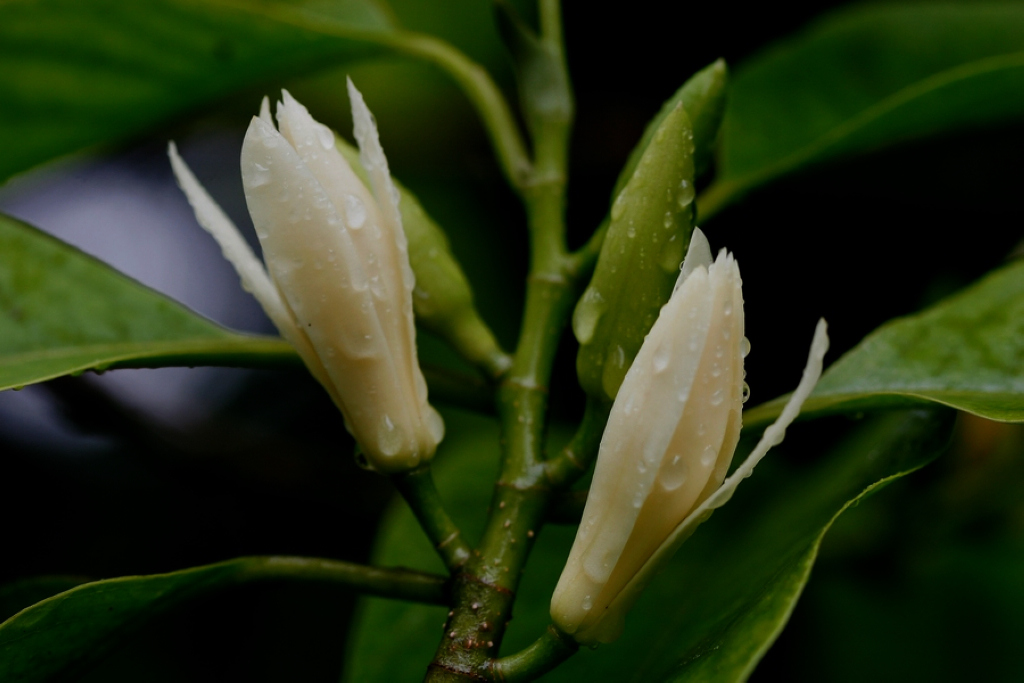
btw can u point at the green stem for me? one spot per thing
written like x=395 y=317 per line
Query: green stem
x=481 y=90
x=583 y=260
x=418 y=488
x=398 y=584
x=575 y=458
x=547 y=652
x=484 y=590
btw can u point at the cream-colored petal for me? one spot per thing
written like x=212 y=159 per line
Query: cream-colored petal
x=319 y=269
x=610 y=625
x=234 y=247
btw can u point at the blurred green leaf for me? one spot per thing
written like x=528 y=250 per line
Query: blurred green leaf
x=63 y=312
x=966 y=352
x=18 y=595
x=75 y=73
x=62 y=635
x=864 y=78
x=717 y=608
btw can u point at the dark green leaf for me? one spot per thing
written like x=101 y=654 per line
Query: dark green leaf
x=865 y=78
x=75 y=73
x=721 y=602
x=65 y=633
x=16 y=596
x=63 y=312
x=966 y=352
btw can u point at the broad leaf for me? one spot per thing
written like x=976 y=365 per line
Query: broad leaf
x=63 y=634
x=75 y=73
x=966 y=352
x=18 y=595
x=718 y=606
x=63 y=312
x=864 y=78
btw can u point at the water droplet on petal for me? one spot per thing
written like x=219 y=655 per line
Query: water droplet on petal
x=674 y=473
x=325 y=135
x=708 y=457
x=355 y=212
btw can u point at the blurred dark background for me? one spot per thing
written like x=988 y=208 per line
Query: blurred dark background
x=150 y=471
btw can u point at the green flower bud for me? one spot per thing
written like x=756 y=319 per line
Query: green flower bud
x=703 y=98
x=651 y=222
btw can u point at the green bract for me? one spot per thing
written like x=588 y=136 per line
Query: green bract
x=651 y=221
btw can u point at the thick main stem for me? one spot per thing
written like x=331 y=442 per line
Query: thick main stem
x=484 y=589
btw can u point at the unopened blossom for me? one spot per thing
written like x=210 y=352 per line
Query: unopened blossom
x=336 y=282
x=668 y=445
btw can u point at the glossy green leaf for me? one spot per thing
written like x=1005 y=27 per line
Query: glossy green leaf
x=864 y=78
x=718 y=606
x=966 y=352
x=74 y=73
x=63 y=312
x=65 y=633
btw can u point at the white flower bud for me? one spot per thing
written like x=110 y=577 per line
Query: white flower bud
x=339 y=287
x=667 y=446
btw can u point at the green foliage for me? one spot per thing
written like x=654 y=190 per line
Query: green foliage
x=63 y=634
x=76 y=73
x=864 y=78
x=63 y=312
x=18 y=595
x=966 y=352
x=716 y=608
x=81 y=73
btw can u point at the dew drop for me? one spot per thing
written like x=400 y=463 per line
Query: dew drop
x=588 y=604
x=355 y=212
x=661 y=358
x=686 y=194
x=746 y=393
x=587 y=314
x=257 y=176
x=674 y=473
x=325 y=135
x=619 y=206
x=388 y=436
x=745 y=347
x=717 y=397
x=708 y=457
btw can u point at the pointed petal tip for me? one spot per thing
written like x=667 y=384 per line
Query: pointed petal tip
x=699 y=254
x=265 y=111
